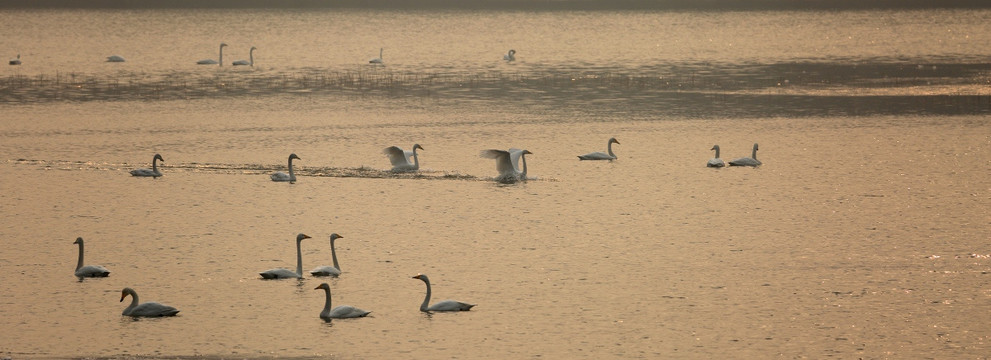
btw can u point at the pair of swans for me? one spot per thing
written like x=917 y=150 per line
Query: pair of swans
x=115 y=58
x=15 y=61
x=212 y=61
x=153 y=172
x=446 y=305
x=340 y=312
x=510 y=56
x=401 y=159
x=377 y=60
x=744 y=161
x=251 y=56
x=507 y=163
x=290 y=177
x=148 y=309
x=88 y=270
x=601 y=155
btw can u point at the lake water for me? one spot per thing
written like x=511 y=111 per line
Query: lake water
x=865 y=234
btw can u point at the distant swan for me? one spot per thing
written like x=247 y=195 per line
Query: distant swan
x=251 y=55
x=747 y=161
x=115 y=58
x=148 y=309
x=281 y=176
x=340 y=312
x=507 y=163
x=716 y=161
x=446 y=305
x=212 y=61
x=16 y=61
x=511 y=56
x=601 y=155
x=400 y=158
x=149 y=172
x=286 y=273
x=329 y=270
x=88 y=270
x=377 y=60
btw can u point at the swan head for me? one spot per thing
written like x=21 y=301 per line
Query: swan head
x=715 y=147
x=512 y=52
x=158 y=157
x=322 y=286
x=223 y=44
x=293 y=156
x=300 y=237
x=421 y=277
x=613 y=140
x=755 y=146
x=125 y=292
x=334 y=236
x=527 y=152
x=79 y=240
x=252 y=49
x=417 y=146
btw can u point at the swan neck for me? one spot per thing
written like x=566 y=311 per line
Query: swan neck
x=523 y=159
x=416 y=160
x=326 y=303
x=609 y=148
x=754 y=154
x=134 y=301
x=79 y=263
x=717 y=153
x=292 y=176
x=221 y=55
x=299 y=259
x=426 y=299
x=154 y=165
x=333 y=254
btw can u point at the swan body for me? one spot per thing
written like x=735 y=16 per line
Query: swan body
x=400 y=158
x=251 y=56
x=88 y=270
x=15 y=61
x=747 y=161
x=115 y=58
x=508 y=163
x=340 y=312
x=510 y=56
x=377 y=60
x=446 y=305
x=148 y=309
x=212 y=61
x=290 y=177
x=286 y=273
x=601 y=155
x=153 y=172
x=329 y=270
x=716 y=161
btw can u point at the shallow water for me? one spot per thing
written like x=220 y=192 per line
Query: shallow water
x=864 y=234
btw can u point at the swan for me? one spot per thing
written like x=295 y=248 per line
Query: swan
x=507 y=163
x=148 y=309
x=115 y=58
x=212 y=61
x=400 y=158
x=149 y=172
x=716 y=161
x=511 y=56
x=281 y=176
x=601 y=155
x=340 y=312
x=16 y=61
x=747 y=161
x=286 y=273
x=446 y=305
x=251 y=55
x=377 y=60
x=88 y=270
x=329 y=270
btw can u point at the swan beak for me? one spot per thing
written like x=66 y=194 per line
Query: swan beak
x=417 y=276
x=122 y=296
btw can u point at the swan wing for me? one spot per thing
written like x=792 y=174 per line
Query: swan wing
x=325 y=271
x=398 y=156
x=92 y=271
x=207 y=62
x=279 y=274
x=596 y=156
x=145 y=172
x=152 y=309
x=240 y=62
x=715 y=162
x=280 y=176
x=503 y=163
x=450 y=305
x=346 y=311
x=745 y=162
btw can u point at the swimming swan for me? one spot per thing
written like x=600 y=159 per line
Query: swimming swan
x=716 y=161
x=251 y=55
x=148 y=309
x=507 y=163
x=281 y=176
x=446 y=305
x=212 y=61
x=601 y=155
x=153 y=172
x=747 y=161
x=400 y=158
x=16 y=61
x=286 y=273
x=88 y=270
x=511 y=56
x=377 y=60
x=340 y=312
x=329 y=270
x=115 y=58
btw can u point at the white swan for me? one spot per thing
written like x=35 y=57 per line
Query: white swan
x=16 y=61
x=446 y=305
x=115 y=58
x=400 y=158
x=148 y=309
x=507 y=163
x=329 y=270
x=747 y=161
x=716 y=161
x=281 y=176
x=286 y=273
x=88 y=270
x=340 y=312
x=601 y=155
x=511 y=56
x=377 y=60
x=149 y=172
x=212 y=61
x=251 y=55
